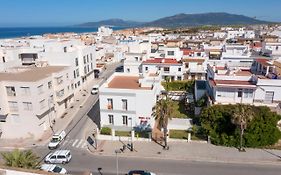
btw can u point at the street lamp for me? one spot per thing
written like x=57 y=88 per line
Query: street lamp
x=117 y=151
x=132 y=147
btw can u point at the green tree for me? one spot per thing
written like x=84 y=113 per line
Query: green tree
x=21 y=159
x=241 y=116
x=163 y=111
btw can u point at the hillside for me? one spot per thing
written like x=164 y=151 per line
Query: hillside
x=111 y=23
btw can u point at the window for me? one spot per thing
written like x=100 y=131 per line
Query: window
x=13 y=105
x=40 y=89
x=65 y=49
x=74 y=74
x=77 y=72
x=78 y=83
x=240 y=91
x=248 y=93
x=109 y=103
x=42 y=104
x=27 y=106
x=25 y=91
x=76 y=62
x=146 y=68
x=125 y=120
x=124 y=104
x=91 y=66
x=171 y=52
x=50 y=84
x=87 y=58
x=166 y=69
x=111 y=119
x=59 y=80
x=85 y=70
x=179 y=69
x=84 y=59
x=11 y=91
x=91 y=56
x=136 y=58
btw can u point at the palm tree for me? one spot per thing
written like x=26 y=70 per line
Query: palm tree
x=21 y=159
x=163 y=112
x=241 y=116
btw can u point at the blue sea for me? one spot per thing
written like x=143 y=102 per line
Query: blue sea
x=13 y=32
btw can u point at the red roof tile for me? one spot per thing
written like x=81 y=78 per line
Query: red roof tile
x=161 y=61
x=232 y=83
x=263 y=61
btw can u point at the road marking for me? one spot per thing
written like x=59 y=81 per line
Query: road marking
x=84 y=145
x=78 y=145
x=74 y=143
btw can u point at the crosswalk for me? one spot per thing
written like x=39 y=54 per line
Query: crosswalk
x=73 y=143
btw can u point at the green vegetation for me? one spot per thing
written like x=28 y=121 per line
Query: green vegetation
x=178 y=134
x=179 y=86
x=163 y=112
x=105 y=131
x=21 y=159
x=123 y=133
x=236 y=125
x=181 y=110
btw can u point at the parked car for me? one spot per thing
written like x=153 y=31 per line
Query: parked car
x=59 y=156
x=53 y=168
x=57 y=139
x=95 y=90
x=140 y=172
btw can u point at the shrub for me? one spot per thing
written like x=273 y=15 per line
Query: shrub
x=178 y=134
x=179 y=86
x=105 y=131
x=216 y=122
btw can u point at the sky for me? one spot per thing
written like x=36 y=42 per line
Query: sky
x=23 y=13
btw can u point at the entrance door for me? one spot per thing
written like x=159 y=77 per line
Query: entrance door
x=268 y=97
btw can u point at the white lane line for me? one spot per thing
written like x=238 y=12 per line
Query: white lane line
x=74 y=143
x=78 y=145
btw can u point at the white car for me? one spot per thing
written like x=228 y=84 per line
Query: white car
x=53 y=168
x=56 y=140
x=59 y=156
x=95 y=90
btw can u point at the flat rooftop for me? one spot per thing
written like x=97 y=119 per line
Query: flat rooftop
x=30 y=74
x=126 y=82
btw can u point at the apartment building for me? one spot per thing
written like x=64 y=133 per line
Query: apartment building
x=165 y=67
x=126 y=100
x=31 y=98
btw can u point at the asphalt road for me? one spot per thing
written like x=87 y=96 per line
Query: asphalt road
x=83 y=161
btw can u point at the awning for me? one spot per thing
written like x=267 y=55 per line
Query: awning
x=3 y=118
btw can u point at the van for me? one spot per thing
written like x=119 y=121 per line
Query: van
x=59 y=156
x=57 y=139
x=95 y=90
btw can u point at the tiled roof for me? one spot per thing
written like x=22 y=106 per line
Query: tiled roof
x=126 y=82
x=233 y=83
x=161 y=61
x=263 y=61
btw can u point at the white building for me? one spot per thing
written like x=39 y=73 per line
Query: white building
x=31 y=98
x=128 y=99
x=167 y=68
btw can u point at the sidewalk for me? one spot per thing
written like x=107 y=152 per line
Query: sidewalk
x=194 y=151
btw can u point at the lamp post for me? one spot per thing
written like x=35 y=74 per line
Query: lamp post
x=132 y=147
x=117 y=165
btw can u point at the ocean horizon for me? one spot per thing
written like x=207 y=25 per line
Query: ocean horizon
x=15 y=32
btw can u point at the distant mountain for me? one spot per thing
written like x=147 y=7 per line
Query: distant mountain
x=111 y=23
x=181 y=20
